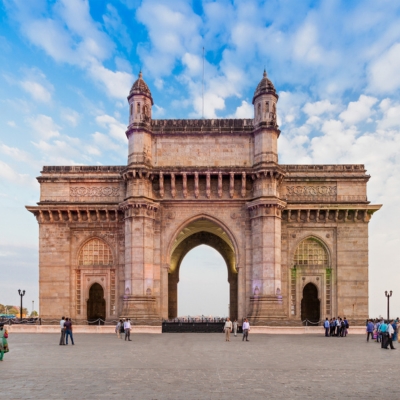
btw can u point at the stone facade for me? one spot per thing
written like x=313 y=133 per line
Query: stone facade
x=294 y=237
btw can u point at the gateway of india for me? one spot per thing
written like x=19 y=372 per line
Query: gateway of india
x=294 y=237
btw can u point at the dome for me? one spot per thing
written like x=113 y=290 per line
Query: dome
x=140 y=87
x=265 y=87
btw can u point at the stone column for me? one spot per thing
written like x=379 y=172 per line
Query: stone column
x=139 y=299
x=265 y=297
x=173 y=280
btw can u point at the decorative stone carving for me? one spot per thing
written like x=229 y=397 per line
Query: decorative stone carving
x=82 y=191
x=311 y=190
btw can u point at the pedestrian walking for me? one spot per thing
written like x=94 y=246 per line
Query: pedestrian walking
x=127 y=329
x=346 y=327
x=246 y=330
x=118 y=328
x=327 y=327
x=68 y=331
x=235 y=327
x=3 y=341
x=62 y=327
x=390 y=333
x=332 y=327
x=370 y=329
x=228 y=330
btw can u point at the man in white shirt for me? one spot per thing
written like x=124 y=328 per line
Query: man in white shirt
x=62 y=338
x=390 y=332
x=228 y=330
x=127 y=329
x=246 y=330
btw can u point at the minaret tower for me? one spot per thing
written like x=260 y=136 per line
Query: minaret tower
x=139 y=135
x=140 y=209
x=265 y=209
x=266 y=128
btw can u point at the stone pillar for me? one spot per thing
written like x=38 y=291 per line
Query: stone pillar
x=265 y=297
x=173 y=279
x=139 y=300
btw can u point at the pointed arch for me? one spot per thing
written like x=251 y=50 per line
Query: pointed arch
x=313 y=252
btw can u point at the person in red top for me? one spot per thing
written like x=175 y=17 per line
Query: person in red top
x=68 y=330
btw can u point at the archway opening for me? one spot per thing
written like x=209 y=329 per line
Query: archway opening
x=203 y=288
x=310 y=304
x=96 y=305
x=203 y=232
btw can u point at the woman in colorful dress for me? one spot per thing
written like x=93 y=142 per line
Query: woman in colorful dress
x=3 y=341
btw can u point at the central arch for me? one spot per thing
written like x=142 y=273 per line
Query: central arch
x=208 y=232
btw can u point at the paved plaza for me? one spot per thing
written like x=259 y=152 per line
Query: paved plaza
x=198 y=366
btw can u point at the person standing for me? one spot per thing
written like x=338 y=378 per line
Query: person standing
x=3 y=341
x=228 y=330
x=235 y=327
x=326 y=326
x=127 y=329
x=370 y=329
x=246 y=330
x=383 y=331
x=68 y=331
x=62 y=338
x=390 y=333
x=346 y=327
x=118 y=328
x=332 y=325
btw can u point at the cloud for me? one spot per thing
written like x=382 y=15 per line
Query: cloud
x=12 y=124
x=384 y=74
x=245 y=110
x=116 y=28
x=358 y=110
x=71 y=116
x=36 y=90
x=44 y=126
x=115 y=128
x=9 y=174
x=319 y=107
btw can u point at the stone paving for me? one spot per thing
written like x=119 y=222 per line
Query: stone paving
x=198 y=366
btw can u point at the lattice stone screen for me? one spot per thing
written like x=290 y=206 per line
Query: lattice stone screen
x=95 y=252
x=311 y=253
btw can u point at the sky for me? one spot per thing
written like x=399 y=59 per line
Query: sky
x=66 y=67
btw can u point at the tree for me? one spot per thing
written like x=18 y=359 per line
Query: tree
x=2 y=309
x=34 y=313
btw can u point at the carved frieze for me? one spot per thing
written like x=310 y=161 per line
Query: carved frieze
x=311 y=190
x=89 y=191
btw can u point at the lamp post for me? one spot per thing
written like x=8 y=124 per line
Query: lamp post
x=22 y=294
x=388 y=295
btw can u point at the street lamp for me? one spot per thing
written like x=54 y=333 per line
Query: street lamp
x=388 y=295
x=22 y=294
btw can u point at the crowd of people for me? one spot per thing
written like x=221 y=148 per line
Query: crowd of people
x=383 y=331
x=337 y=327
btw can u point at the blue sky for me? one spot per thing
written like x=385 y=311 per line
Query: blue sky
x=66 y=68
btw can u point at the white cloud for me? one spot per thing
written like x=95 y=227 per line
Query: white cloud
x=12 y=124
x=36 y=90
x=9 y=174
x=358 y=110
x=44 y=126
x=245 y=110
x=71 y=116
x=384 y=72
x=319 y=107
x=115 y=128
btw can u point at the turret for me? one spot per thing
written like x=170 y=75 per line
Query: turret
x=264 y=101
x=266 y=130
x=139 y=133
x=140 y=102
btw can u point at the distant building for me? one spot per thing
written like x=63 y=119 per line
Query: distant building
x=294 y=237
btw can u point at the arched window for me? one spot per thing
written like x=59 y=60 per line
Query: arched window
x=267 y=106
x=138 y=108
x=259 y=110
x=131 y=111
x=95 y=252
x=310 y=252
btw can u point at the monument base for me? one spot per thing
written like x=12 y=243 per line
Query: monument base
x=266 y=310
x=141 y=310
